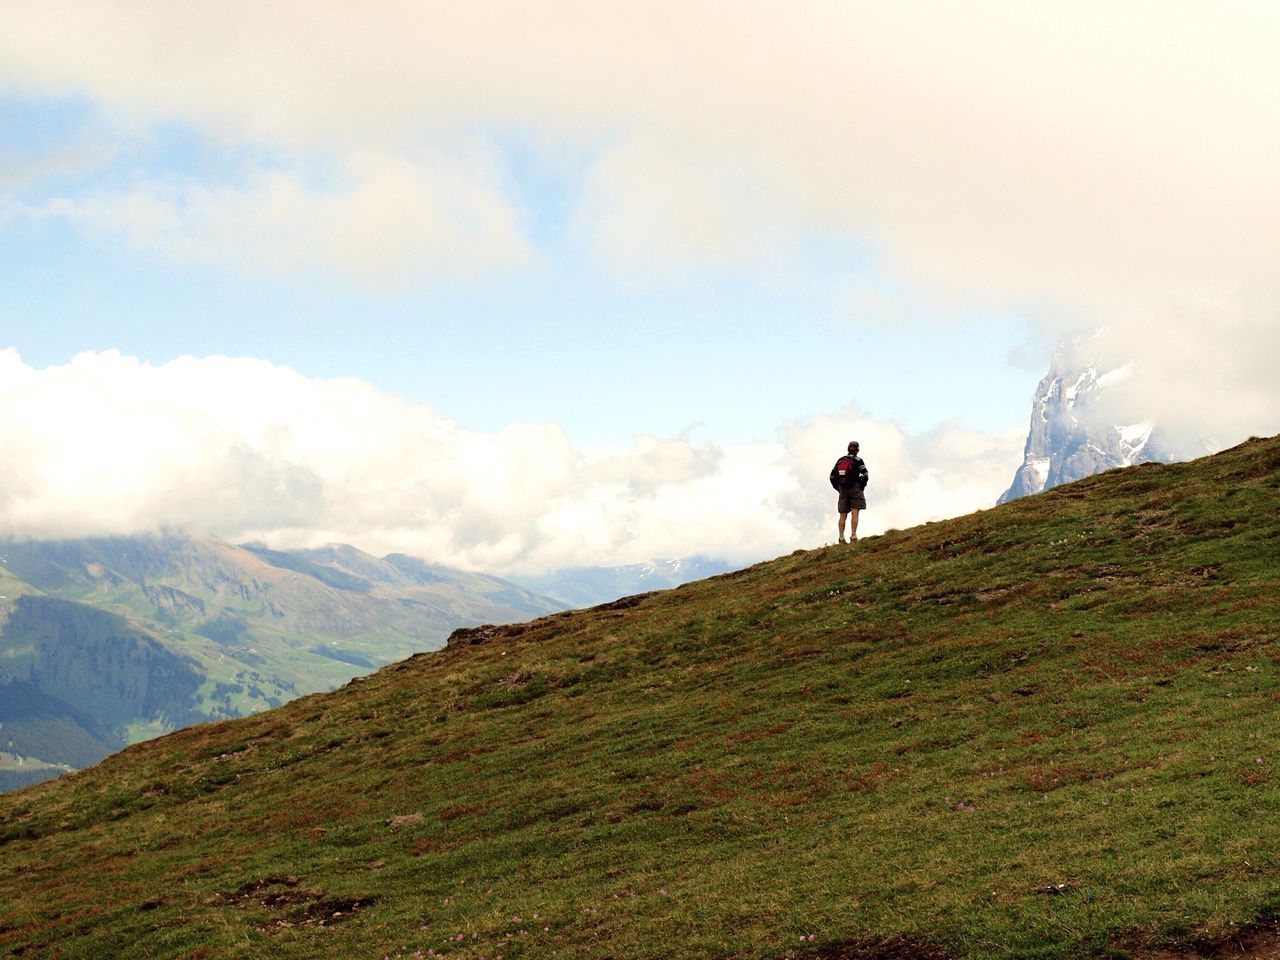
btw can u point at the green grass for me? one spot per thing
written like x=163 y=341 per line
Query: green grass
x=1043 y=730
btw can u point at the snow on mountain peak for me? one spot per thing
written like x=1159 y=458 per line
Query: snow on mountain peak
x=1068 y=439
x=1136 y=432
x=1116 y=376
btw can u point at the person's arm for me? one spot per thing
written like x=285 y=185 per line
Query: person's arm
x=863 y=476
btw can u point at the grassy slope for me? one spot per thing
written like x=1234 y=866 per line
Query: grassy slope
x=907 y=740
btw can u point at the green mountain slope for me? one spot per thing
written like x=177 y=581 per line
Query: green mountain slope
x=114 y=671
x=145 y=634
x=42 y=736
x=1043 y=730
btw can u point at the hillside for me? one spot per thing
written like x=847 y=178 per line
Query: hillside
x=128 y=637
x=1042 y=730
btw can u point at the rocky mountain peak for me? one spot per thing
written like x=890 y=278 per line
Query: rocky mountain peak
x=1074 y=430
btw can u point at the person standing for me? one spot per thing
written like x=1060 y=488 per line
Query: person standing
x=849 y=479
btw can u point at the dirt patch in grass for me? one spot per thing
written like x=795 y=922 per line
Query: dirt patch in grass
x=404 y=819
x=895 y=949
x=1259 y=941
x=459 y=756
x=624 y=603
x=291 y=904
x=474 y=635
x=459 y=810
x=758 y=733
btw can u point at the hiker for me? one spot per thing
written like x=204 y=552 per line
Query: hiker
x=849 y=477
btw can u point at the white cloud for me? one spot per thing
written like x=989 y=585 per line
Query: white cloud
x=1058 y=153
x=248 y=450
x=381 y=220
x=653 y=212
x=1204 y=374
x=21 y=168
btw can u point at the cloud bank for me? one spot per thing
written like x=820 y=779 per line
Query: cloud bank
x=379 y=219
x=106 y=445
x=1078 y=154
x=1203 y=375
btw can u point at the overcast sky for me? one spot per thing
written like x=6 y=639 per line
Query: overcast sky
x=517 y=285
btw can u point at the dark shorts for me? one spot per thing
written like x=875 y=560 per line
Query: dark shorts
x=851 y=500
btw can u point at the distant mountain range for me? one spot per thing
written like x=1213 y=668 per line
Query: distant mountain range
x=588 y=586
x=111 y=640
x=1072 y=433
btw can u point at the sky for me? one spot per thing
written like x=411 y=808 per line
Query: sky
x=518 y=286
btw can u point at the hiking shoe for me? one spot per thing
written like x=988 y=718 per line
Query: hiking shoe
x=843 y=540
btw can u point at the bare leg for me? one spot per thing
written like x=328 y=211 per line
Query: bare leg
x=843 y=516
x=853 y=525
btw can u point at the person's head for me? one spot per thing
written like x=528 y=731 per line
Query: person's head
x=853 y=446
